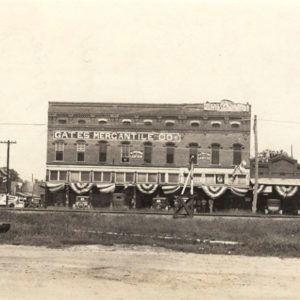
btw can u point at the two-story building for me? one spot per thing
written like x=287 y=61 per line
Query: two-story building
x=144 y=150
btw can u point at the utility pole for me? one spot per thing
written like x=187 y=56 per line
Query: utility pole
x=254 y=202
x=8 y=142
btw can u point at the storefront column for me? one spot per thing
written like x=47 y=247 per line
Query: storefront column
x=67 y=195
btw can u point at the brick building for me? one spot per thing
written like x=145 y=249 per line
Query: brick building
x=278 y=178
x=144 y=150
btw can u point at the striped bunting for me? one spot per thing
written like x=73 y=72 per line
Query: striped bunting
x=81 y=188
x=106 y=187
x=147 y=188
x=214 y=191
x=241 y=192
x=286 y=191
x=170 y=189
x=55 y=187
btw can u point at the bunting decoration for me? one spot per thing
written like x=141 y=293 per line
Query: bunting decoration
x=147 y=188
x=214 y=191
x=81 y=188
x=260 y=189
x=241 y=192
x=3 y=175
x=264 y=189
x=106 y=187
x=286 y=191
x=55 y=187
x=170 y=189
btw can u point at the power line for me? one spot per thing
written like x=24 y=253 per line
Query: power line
x=23 y=124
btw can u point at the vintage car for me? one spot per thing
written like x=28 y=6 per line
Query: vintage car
x=82 y=202
x=13 y=201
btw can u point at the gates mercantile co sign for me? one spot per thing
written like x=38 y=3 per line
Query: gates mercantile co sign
x=117 y=136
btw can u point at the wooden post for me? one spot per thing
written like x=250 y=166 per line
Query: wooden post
x=8 y=142
x=254 y=202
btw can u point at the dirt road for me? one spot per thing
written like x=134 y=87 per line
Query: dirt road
x=117 y=272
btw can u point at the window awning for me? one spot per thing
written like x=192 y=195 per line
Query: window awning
x=277 y=181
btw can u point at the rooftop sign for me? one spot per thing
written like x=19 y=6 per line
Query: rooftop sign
x=226 y=105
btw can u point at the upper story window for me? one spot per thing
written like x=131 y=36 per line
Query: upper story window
x=59 y=151
x=195 y=123
x=80 y=151
x=102 y=121
x=170 y=154
x=62 y=121
x=215 y=124
x=81 y=121
x=193 y=152
x=126 y=122
x=125 y=152
x=102 y=151
x=215 y=154
x=235 y=124
x=148 y=152
x=148 y=122
x=170 y=123
x=237 y=154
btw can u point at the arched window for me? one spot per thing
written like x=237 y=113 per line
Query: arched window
x=216 y=124
x=235 y=124
x=102 y=121
x=169 y=123
x=80 y=146
x=215 y=154
x=126 y=122
x=62 y=121
x=170 y=153
x=59 y=151
x=193 y=152
x=237 y=154
x=81 y=121
x=148 y=122
x=148 y=152
x=102 y=151
x=195 y=123
x=125 y=151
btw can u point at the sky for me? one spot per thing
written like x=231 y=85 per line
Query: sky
x=169 y=51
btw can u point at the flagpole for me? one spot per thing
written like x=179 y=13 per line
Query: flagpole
x=254 y=202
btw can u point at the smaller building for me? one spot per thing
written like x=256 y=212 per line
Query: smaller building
x=278 y=178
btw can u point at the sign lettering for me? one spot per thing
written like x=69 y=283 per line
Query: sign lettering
x=117 y=136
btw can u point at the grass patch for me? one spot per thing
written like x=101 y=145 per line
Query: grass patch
x=275 y=237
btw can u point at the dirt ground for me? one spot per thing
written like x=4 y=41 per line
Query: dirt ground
x=129 y=272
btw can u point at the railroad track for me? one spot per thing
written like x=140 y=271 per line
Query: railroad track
x=143 y=212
